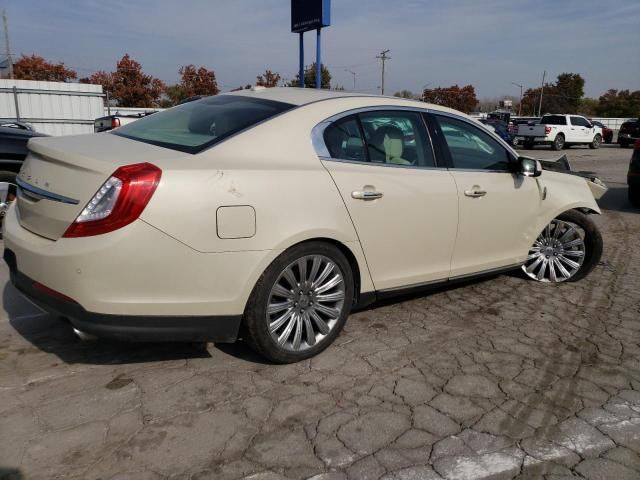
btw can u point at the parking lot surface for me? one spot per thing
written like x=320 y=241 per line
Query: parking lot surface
x=500 y=378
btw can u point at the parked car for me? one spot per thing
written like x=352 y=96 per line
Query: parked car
x=13 y=150
x=633 y=176
x=560 y=131
x=110 y=122
x=278 y=211
x=607 y=133
x=629 y=133
x=500 y=128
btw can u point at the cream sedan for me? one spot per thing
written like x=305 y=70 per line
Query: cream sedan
x=270 y=214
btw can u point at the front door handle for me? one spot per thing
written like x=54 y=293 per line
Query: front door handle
x=366 y=195
x=475 y=192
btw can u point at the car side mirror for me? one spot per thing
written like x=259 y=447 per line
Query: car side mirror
x=529 y=167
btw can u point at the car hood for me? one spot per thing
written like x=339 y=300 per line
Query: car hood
x=561 y=165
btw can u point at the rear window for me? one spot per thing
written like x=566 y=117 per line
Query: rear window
x=198 y=125
x=554 y=120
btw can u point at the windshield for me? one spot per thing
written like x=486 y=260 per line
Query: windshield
x=195 y=126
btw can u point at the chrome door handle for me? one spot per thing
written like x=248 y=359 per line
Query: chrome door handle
x=366 y=195
x=475 y=193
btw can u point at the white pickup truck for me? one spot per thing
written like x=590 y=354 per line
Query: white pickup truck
x=560 y=131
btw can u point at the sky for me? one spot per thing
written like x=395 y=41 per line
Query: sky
x=486 y=43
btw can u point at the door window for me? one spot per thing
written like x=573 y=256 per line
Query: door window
x=471 y=148
x=579 y=122
x=397 y=138
x=344 y=141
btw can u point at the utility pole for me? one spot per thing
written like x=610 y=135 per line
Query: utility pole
x=544 y=74
x=384 y=58
x=354 y=77
x=520 y=103
x=6 y=43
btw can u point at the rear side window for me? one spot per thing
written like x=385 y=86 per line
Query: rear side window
x=344 y=141
x=554 y=120
x=195 y=126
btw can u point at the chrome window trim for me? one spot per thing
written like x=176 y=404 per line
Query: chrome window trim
x=319 y=145
x=317 y=136
x=37 y=193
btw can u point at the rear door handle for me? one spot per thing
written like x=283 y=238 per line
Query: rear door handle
x=475 y=193
x=366 y=195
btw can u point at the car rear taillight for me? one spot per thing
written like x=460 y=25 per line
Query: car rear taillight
x=115 y=123
x=636 y=144
x=547 y=130
x=120 y=201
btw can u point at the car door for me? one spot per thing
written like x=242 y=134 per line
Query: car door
x=496 y=207
x=404 y=208
x=580 y=127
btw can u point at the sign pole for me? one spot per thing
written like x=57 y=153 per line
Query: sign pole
x=301 y=73
x=318 y=61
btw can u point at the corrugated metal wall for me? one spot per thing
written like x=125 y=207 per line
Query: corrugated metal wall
x=54 y=108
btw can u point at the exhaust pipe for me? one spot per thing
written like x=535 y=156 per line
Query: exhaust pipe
x=83 y=335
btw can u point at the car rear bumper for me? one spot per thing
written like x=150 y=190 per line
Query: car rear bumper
x=124 y=327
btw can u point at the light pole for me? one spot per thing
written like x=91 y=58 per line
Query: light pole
x=520 y=103
x=383 y=56
x=354 y=77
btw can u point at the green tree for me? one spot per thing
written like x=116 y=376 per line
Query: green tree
x=268 y=79
x=621 y=104
x=563 y=96
x=310 y=77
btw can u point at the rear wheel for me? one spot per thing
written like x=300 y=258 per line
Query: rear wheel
x=595 y=143
x=568 y=249
x=558 y=142
x=300 y=304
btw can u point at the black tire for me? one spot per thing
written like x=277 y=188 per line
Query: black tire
x=558 y=142
x=255 y=330
x=592 y=242
x=634 y=196
x=595 y=143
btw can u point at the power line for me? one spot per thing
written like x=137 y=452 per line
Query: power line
x=384 y=58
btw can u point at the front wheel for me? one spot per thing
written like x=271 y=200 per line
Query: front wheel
x=300 y=304
x=595 y=143
x=568 y=249
x=634 y=196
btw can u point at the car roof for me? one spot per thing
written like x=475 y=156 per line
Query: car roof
x=305 y=96
x=294 y=95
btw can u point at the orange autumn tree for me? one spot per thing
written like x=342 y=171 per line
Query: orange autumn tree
x=35 y=67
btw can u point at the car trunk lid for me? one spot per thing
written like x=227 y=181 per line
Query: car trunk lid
x=61 y=174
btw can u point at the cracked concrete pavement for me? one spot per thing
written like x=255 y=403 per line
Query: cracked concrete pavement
x=502 y=378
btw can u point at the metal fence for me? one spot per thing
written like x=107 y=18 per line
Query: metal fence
x=55 y=108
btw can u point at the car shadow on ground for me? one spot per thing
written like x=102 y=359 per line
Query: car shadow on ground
x=617 y=199
x=56 y=336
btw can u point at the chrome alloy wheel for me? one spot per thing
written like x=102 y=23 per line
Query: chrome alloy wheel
x=557 y=254
x=7 y=195
x=305 y=302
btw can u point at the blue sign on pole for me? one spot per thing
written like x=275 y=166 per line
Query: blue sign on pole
x=309 y=15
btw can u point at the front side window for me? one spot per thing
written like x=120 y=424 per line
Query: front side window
x=397 y=138
x=470 y=147
x=579 y=122
x=194 y=126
